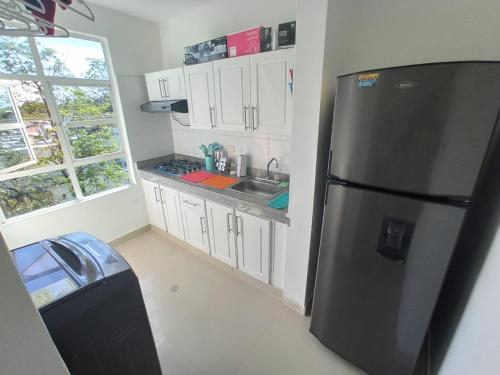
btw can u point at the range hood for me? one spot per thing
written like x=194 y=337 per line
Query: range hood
x=166 y=106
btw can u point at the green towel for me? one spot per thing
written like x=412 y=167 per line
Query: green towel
x=279 y=202
x=284 y=184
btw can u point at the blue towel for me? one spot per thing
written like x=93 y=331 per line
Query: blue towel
x=279 y=202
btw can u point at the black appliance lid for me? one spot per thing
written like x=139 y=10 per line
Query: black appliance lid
x=109 y=261
x=48 y=276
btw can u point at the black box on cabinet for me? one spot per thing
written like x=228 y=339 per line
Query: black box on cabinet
x=210 y=50
x=286 y=34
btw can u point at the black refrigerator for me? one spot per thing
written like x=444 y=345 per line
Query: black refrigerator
x=408 y=145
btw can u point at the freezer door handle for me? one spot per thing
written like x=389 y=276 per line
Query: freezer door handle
x=330 y=155
x=395 y=239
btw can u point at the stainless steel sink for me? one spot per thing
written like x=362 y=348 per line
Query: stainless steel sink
x=258 y=187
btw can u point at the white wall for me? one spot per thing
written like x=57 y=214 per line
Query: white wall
x=212 y=21
x=25 y=344
x=219 y=19
x=308 y=116
x=132 y=44
x=370 y=35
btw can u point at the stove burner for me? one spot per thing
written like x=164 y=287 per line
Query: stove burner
x=178 y=167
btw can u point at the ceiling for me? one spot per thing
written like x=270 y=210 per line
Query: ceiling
x=152 y=10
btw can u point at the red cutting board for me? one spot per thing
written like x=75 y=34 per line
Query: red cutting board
x=197 y=176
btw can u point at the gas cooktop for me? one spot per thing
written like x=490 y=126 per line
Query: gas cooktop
x=178 y=167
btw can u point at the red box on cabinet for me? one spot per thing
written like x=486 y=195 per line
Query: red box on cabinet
x=245 y=42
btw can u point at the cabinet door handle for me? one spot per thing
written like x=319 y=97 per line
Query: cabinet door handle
x=245 y=114
x=212 y=117
x=161 y=88
x=165 y=87
x=228 y=223
x=239 y=225
x=202 y=226
x=190 y=203
x=156 y=194
x=161 y=196
x=254 y=115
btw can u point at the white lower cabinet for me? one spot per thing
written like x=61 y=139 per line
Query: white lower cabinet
x=172 y=210
x=195 y=222
x=153 y=204
x=222 y=234
x=253 y=240
x=254 y=245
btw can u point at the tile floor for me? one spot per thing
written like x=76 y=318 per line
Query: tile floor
x=208 y=321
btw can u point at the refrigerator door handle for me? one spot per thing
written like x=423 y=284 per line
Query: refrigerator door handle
x=330 y=153
x=326 y=192
x=329 y=161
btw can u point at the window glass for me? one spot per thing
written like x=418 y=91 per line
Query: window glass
x=96 y=140
x=83 y=103
x=7 y=113
x=15 y=56
x=13 y=148
x=98 y=177
x=53 y=118
x=26 y=194
x=72 y=58
x=29 y=98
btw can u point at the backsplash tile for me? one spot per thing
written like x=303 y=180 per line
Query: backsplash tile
x=259 y=148
x=282 y=150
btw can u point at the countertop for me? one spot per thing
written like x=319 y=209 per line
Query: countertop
x=247 y=203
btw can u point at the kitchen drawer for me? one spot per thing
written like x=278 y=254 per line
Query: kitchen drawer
x=192 y=201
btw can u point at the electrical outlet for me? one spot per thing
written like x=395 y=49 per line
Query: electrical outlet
x=230 y=149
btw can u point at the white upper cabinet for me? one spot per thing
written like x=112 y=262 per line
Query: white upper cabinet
x=172 y=209
x=200 y=95
x=271 y=74
x=166 y=85
x=153 y=204
x=254 y=245
x=245 y=94
x=232 y=93
x=175 y=86
x=222 y=233
x=154 y=85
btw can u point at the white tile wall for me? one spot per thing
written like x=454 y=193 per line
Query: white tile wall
x=282 y=150
x=259 y=148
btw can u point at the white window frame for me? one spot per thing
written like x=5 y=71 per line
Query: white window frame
x=18 y=125
x=70 y=163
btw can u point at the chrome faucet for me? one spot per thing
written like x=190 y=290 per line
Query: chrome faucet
x=269 y=165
